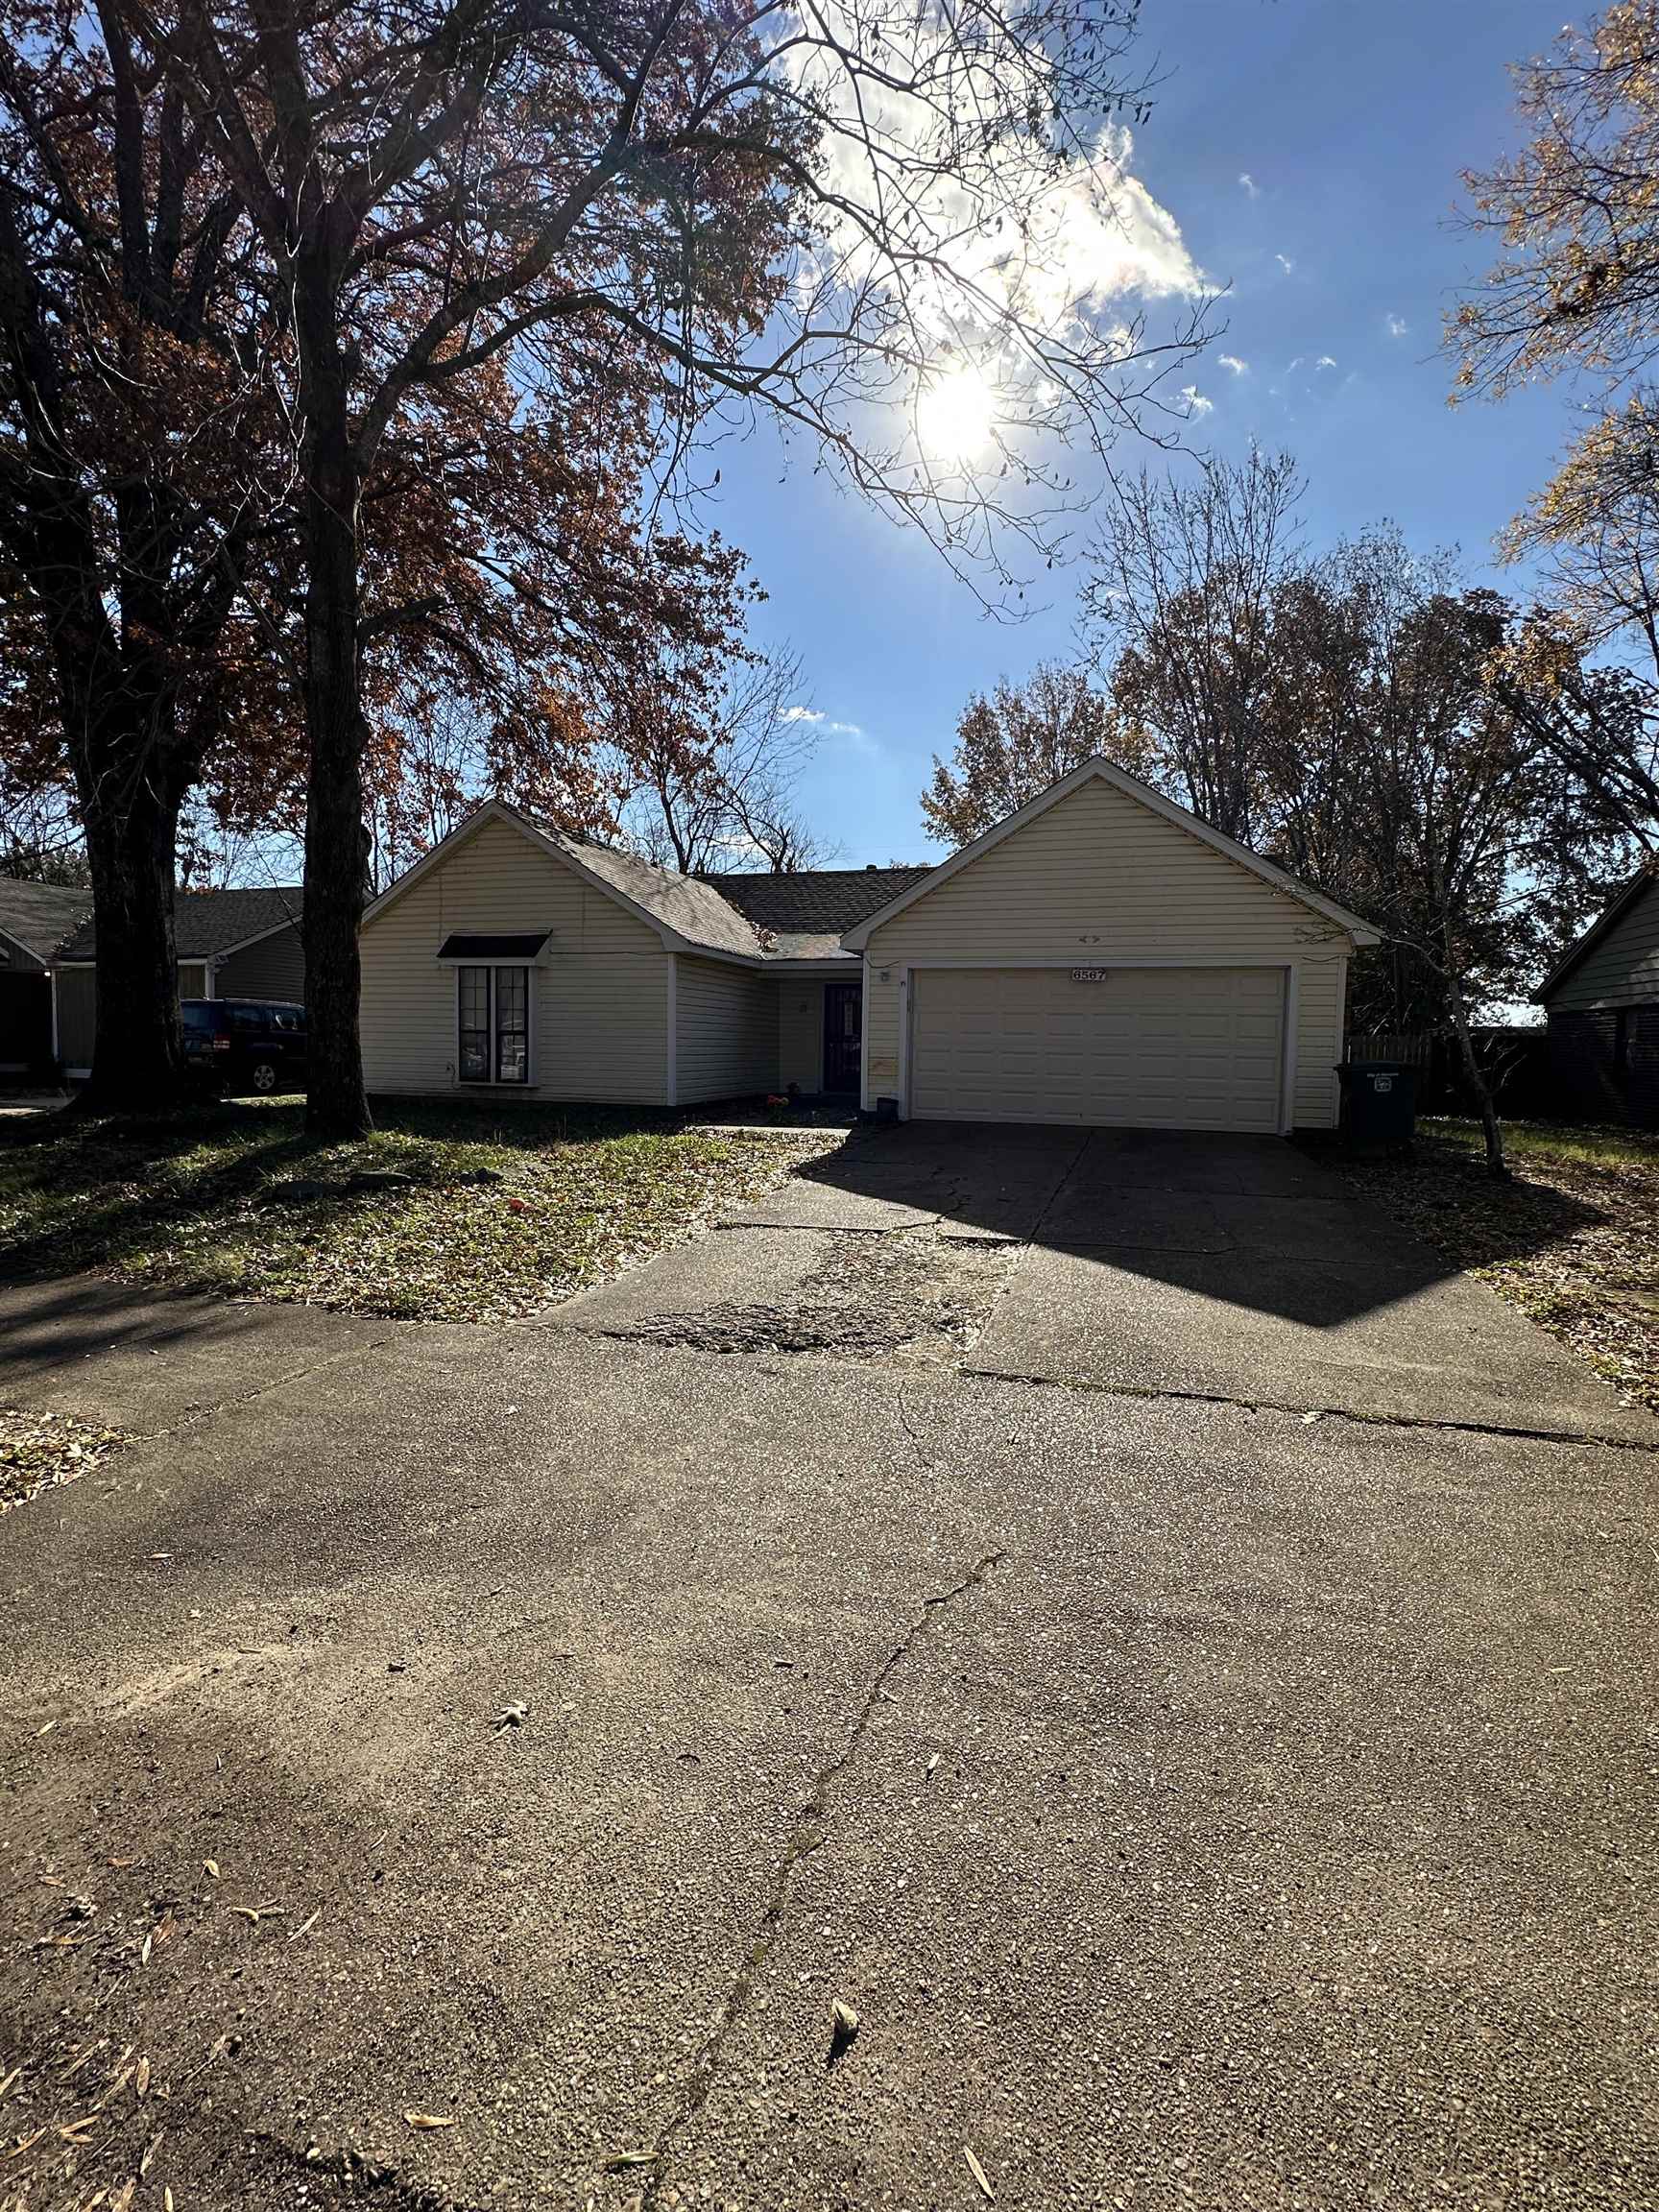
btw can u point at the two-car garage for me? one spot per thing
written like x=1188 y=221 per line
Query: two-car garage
x=1140 y=1048
x=1104 y=957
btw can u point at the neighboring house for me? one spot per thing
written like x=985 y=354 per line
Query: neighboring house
x=34 y=918
x=1101 y=956
x=228 y=945
x=1602 y=1003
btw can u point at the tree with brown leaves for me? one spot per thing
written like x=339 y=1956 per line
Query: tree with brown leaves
x=1017 y=741
x=1573 y=292
x=141 y=453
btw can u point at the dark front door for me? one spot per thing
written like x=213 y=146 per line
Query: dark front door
x=843 y=1019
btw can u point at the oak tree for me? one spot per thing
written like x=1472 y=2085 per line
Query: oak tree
x=1573 y=292
x=1179 y=602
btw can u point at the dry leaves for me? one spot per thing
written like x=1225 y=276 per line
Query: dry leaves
x=573 y=1196
x=1572 y=1237
x=41 y=1451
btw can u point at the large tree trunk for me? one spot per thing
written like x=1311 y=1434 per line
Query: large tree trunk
x=336 y=837
x=131 y=775
x=138 y=1062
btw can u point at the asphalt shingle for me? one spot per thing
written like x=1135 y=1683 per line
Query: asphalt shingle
x=815 y=902
x=39 y=916
x=209 y=922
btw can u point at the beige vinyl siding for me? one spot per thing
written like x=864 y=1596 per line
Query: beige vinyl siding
x=76 y=1015
x=800 y=1034
x=727 y=1031
x=273 y=967
x=1321 y=991
x=599 y=998
x=1101 y=879
x=1623 y=968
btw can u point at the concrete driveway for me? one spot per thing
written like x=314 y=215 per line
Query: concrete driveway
x=1228 y=1267
x=1200 y=1804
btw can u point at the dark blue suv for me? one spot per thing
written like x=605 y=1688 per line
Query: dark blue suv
x=242 y=1044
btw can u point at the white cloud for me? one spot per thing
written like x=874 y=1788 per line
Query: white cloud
x=827 y=727
x=1232 y=362
x=1395 y=326
x=1196 y=403
x=1285 y=263
x=1045 y=247
x=1252 y=189
x=1325 y=361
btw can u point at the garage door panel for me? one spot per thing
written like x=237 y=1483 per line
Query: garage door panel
x=1174 y=1047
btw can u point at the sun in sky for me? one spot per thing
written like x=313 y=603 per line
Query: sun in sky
x=954 y=416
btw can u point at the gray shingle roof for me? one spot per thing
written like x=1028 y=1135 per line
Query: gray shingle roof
x=815 y=902
x=209 y=922
x=39 y=916
x=684 y=903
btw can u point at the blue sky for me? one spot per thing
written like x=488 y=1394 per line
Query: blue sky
x=1352 y=123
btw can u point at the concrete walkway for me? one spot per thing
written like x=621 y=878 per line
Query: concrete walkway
x=1197 y=1805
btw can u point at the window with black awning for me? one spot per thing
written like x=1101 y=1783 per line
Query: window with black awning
x=464 y=945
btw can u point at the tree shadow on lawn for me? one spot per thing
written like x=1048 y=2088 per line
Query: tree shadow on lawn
x=91 y=1192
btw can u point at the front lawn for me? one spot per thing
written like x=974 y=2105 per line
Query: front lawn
x=447 y=1212
x=1572 y=1237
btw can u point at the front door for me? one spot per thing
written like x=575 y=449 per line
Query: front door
x=842 y=1019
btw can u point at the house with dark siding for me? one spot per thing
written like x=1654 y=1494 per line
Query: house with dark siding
x=35 y=920
x=229 y=944
x=1603 y=1004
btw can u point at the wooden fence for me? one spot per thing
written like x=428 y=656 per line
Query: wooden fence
x=1515 y=1062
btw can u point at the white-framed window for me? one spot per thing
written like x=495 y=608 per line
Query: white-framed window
x=493 y=1023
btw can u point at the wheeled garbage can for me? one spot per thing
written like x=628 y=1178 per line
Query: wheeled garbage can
x=1379 y=1105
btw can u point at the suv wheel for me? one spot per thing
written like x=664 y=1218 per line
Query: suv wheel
x=263 y=1077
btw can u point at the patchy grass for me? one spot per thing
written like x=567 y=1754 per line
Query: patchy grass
x=500 y=1214
x=1572 y=1237
x=43 y=1451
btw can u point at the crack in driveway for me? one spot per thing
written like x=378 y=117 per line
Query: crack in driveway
x=810 y=1830
x=1155 y=1393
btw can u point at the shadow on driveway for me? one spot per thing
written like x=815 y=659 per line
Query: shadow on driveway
x=1210 y=1266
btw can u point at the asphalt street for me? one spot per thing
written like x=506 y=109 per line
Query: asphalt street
x=952 y=1601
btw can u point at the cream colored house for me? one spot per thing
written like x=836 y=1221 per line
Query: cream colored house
x=1102 y=956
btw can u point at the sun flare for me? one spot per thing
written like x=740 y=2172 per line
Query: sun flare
x=954 y=416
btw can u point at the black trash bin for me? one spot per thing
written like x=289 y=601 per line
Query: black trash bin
x=1378 y=1104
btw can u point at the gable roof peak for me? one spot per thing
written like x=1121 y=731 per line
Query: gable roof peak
x=1097 y=766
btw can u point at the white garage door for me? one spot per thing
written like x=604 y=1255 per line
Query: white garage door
x=1142 y=1047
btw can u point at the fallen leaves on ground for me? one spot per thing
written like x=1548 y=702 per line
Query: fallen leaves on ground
x=40 y=1450
x=1572 y=1237
x=499 y=1216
